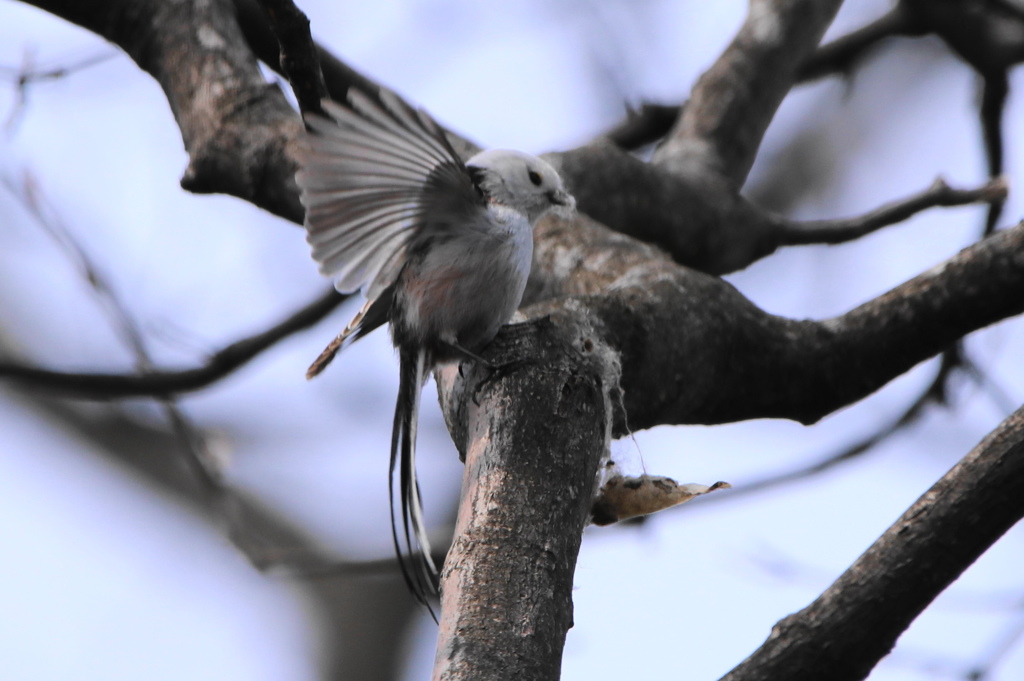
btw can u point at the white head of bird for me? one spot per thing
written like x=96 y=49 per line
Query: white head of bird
x=520 y=181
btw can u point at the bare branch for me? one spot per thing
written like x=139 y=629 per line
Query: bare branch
x=704 y=223
x=721 y=128
x=532 y=435
x=863 y=613
x=842 y=54
x=192 y=442
x=28 y=74
x=337 y=76
x=236 y=127
x=993 y=100
x=643 y=126
x=297 y=55
x=837 y=231
x=717 y=358
x=98 y=386
x=935 y=393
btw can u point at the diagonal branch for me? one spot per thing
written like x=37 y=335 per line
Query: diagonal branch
x=721 y=128
x=856 y=621
x=842 y=54
x=236 y=128
x=98 y=386
x=705 y=224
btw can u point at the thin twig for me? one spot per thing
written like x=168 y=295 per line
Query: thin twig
x=846 y=229
x=935 y=393
x=106 y=386
x=26 y=74
x=193 y=444
x=993 y=100
x=1007 y=641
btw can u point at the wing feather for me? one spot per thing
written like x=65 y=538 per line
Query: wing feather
x=371 y=174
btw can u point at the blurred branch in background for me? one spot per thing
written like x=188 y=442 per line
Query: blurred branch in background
x=155 y=383
x=934 y=393
x=692 y=348
x=271 y=542
x=24 y=76
x=193 y=445
x=837 y=231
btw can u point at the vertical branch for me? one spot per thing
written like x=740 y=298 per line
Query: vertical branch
x=532 y=449
x=993 y=99
x=297 y=55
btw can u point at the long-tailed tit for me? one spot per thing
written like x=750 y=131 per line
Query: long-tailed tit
x=441 y=248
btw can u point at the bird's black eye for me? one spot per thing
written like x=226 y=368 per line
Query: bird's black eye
x=535 y=177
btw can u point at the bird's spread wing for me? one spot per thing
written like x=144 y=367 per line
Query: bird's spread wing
x=368 y=176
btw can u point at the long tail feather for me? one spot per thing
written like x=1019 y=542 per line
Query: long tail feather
x=413 y=550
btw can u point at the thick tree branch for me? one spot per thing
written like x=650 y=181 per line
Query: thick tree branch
x=701 y=221
x=850 y=627
x=236 y=127
x=721 y=128
x=704 y=223
x=532 y=434
x=687 y=199
x=717 y=358
x=165 y=383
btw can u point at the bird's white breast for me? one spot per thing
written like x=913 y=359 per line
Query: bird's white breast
x=464 y=288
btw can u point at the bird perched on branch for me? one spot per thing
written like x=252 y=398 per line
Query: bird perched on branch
x=441 y=248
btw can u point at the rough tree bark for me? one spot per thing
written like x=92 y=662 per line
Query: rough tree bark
x=863 y=613
x=629 y=322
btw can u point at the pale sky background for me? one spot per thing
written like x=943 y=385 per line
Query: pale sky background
x=101 y=578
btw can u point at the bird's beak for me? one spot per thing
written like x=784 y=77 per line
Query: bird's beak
x=564 y=199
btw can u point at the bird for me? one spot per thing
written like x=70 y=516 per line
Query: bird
x=440 y=247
